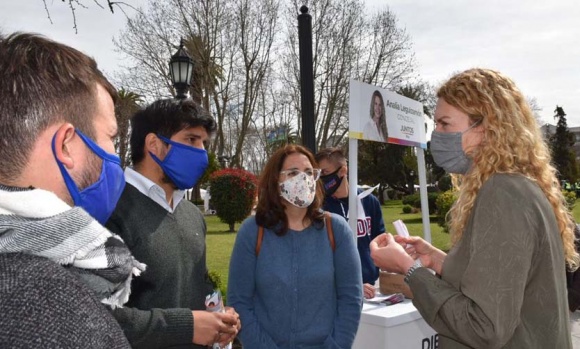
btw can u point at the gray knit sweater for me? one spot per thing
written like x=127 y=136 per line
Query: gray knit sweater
x=43 y=305
x=172 y=245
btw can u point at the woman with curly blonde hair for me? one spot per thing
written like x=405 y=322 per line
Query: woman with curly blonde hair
x=503 y=283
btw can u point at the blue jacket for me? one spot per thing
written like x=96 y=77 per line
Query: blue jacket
x=297 y=293
x=366 y=231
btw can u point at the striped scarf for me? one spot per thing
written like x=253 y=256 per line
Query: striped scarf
x=37 y=222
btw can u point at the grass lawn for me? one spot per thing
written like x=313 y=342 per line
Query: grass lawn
x=220 y=242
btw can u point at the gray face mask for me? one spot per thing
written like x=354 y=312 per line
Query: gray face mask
x=447 y=151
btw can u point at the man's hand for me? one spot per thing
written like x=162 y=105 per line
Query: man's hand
x=369 y=291
x=209 y=328
x=228 y=338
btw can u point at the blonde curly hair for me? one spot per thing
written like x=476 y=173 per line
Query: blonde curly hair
x=508 y=123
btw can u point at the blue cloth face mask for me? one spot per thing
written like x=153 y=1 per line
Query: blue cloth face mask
x=447 y=151
x=183 y=164
x=100 y=198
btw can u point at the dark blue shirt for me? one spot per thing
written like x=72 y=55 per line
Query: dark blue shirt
x=367 y=230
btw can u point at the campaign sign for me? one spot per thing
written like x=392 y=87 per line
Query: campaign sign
x=380 y=115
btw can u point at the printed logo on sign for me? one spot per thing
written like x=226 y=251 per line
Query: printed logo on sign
x=431 y=342
x=407 y=131
x=363 y=227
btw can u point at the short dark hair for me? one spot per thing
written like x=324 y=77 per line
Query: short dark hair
x=270 y=211
x=166 y=117
x=333 y=155
x=42 y=82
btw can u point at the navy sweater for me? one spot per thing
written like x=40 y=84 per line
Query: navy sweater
x=367 y=230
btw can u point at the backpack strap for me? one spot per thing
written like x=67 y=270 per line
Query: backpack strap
x=329 y=232
x=259 y=241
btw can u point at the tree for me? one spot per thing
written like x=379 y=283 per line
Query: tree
x=347 y=44
x=233 y=193
x=72 y=4
x=536 y=109
x=561 y=143
x=246 y=58
x=127 y=105
x=231 y=43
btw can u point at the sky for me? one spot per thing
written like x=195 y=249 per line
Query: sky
x=534 y=42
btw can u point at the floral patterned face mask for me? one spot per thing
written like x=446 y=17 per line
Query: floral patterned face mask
x=299 y=189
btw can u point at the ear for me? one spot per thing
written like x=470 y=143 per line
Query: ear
x=153 y=144
x=63 y=145
x=343 y=171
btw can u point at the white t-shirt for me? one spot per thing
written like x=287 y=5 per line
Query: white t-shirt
x=371 y=132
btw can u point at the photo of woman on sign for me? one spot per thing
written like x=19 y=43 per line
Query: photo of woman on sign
x=376 y=128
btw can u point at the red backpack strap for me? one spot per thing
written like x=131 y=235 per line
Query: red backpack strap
x=329 y=231
x=259 y=241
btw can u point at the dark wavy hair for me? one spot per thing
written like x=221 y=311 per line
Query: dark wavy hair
x=270 y=212
x=166 y=117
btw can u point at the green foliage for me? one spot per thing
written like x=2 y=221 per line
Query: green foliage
x=412 y=200
x=407 y=209
x=213 y=165
x=445 y=183
x=570 y=197
x=444 y=203
x=561 y=144
x=415 y=200
x=216 y=280
x=233 y=192
x=382 y=163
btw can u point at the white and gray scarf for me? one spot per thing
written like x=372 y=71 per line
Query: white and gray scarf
x=37 y=222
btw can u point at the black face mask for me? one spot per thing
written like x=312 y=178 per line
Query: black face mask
x=331 y=182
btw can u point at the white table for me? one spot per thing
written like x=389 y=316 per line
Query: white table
x=398 y=326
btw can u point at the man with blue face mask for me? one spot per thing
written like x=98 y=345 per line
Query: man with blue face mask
x=167 y=305
x=59 y=181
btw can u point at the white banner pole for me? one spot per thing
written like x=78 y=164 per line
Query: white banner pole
x=423 y=193
x=352 y=184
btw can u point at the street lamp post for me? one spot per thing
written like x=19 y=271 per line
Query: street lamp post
x=306 y=79
x=224 y=160
x=181 y=71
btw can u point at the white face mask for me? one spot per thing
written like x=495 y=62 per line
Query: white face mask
x=299 y=190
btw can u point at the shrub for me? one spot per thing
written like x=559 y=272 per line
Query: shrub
x=216 y=281
x=445 y=183
x=414 y=200
x=570 y=198
x=233 y=192
x=407 y=209
x=444 y=203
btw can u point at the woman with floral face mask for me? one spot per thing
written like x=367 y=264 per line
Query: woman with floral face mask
x=502 y=284
x=298 y=283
